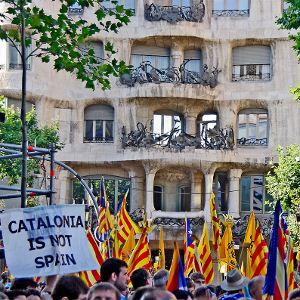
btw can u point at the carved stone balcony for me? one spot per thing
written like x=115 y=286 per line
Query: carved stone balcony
x=174 y=14
x=146 y=73
x=252 y=142
x=142 y=137
x=230 y=13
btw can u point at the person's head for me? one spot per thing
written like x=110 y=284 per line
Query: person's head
x=182 y=295
x=190 y=285
x=140 y=277
x=138 y=294
x=33 y=294
x=103 y=291
x=69 y=287
x=16 y=295
x=204 y=293
x=23 y=284
x=114 y=270
x=234 y=282
x=3 y=296
x=160 y=279
x=294 y=295
x=158 y=294
x=4 y=277
x=255 y=287
x=198 y=279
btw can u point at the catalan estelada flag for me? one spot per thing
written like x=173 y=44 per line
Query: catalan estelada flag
x=141 y=255
x=91 y=277
x=189 y=248
x=125 y=225
x=205 y=256
x=276 y=280
x=105 y=219
x=216 y=231
x=176 y=279
x=257 y=251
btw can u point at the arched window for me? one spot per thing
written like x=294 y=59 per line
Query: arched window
x=221 y=189
x=250 y=63
x=253 y=127
x=253 y=194
x=158 y=197
x=184 y=198
x=164 y=121
x=99 y=123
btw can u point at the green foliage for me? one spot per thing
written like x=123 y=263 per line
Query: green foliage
x=10 y=132
x=58 y=37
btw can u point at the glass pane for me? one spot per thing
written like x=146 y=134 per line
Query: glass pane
x=218 y=4
x=185 y=198
x=177 y=122
x=193 y=65
x=107 y=4
x=246 y=187
x=89 y=130
x=243 y=4
x=157 y=124
x=252 y=131
x=123 y=186
x=99 y=130
x=158 y=197
x=230 y=5
x=109 y=131
x=242 y=131
x=129 y=4
x=13 y=56
x=168 y=124
x=262 y=129
x=162 y=62
x=209 y=117
x=136 y=60
x=258 y=193
x=151 y=59
x=110 y=193
x=78 y=193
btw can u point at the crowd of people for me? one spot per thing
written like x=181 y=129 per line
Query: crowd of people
x=116 y=284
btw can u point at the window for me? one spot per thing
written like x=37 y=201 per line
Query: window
x=251 y=63
x=253 y=194
x=185 y=198
x=158 y=197
x=253 y=127
x=221 y=188
x=158 y=57
x=16 y=104
x=231 y=7
x=97 y=47
x=75 y=9
x=99 y=123
x=128 y=4
x=116 y=188
x=181 y=3
x=192 y=60
x=166 y=121
x=206 y=123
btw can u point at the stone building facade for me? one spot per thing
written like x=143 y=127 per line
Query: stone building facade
x=203 y=110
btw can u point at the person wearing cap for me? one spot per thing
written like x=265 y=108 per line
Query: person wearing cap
x=234 y=284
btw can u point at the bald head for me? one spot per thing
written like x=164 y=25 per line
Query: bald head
x=158 y=295
x=256 y=286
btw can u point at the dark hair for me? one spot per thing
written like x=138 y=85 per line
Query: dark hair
x=294 y=294
x=33 y=292
x=141 y=291
x=69 y=286
x=219 y=290
x=110 y=266
x=189 y=282
x=139 y=278
x=23 y=284
x=12 y=294
x=182 y=295
x=197 y=275
x=103 y=286
x=203 y=291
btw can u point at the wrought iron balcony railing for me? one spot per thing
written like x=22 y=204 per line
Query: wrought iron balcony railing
x=146 y=73
x=75 y=11
x=252 y=72
x=142 y=137
x=252 y=142
x=174 y=14
x=231 y=13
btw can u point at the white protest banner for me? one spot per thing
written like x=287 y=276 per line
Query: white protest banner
x=46 y=240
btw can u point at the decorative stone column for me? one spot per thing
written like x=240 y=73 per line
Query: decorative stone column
x=196 y=199
x=234 y=192
x=137 y=188
x=176 y=55
x=64 y=188
x=209 y=177
x=190 y=125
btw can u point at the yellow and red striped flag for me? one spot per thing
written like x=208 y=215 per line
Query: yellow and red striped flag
x=216 y=231
x=141 y=255
x=189 y=248
x=290 y=265
x=257 y=253
x=128 y=246
x=205 y=256
x=105 y=219
x=125 y=224
x=161 y=250
x=91 y=277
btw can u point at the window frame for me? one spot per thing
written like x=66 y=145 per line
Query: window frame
x=231 y=12
x=109 y=5
x=179 y=206
x=161 y=194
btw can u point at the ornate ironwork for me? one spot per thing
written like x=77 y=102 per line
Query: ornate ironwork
x=146 y=73
x=75 y=10
x=177 y=222
x=252 y=142
x=138 y=215
x=142 y=137
x=251 y=72
x=230 y=13
x=174 y=14
x=240 y=225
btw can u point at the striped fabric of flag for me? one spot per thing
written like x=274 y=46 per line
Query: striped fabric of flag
x=189 y=248
x=276 y=280
x=161 y=250
x=257 y=248
x=141 y=255
x=91 y=277
x=205 y=256
x=125 y=225
x=105 y=219
x=216 y=231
